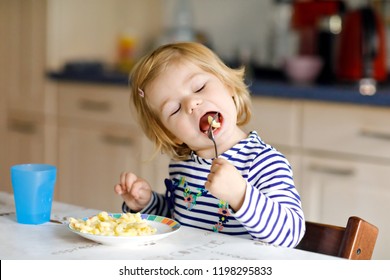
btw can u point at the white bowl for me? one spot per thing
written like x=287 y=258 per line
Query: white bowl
x=303 y=69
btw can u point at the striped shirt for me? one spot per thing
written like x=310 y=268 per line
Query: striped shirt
x=271 y=211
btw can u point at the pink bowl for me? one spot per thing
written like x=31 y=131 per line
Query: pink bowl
x=303 y=69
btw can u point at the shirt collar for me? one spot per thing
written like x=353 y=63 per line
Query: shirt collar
x=226 y=155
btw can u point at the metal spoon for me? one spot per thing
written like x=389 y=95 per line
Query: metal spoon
x=210 y=134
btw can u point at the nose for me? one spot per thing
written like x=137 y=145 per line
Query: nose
x=191 y=103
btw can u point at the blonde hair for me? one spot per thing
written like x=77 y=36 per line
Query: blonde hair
x=151 y=65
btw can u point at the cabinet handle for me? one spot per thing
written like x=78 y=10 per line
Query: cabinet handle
x=332 y=170
x=117 y=140
x=375 y=134
x=93 y=105
x=24 y=127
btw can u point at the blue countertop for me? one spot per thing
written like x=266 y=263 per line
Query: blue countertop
x=344 y=93
x=331 y=93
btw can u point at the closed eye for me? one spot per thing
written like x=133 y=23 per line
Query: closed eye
x=177 y=110
x=200 y=89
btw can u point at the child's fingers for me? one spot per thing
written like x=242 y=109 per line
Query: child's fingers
x=127 y=179
x=122 y=179
x=119 y=189
x=138 y=190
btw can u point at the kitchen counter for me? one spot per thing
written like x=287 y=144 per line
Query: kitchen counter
x=329 y=93
x=341 y=93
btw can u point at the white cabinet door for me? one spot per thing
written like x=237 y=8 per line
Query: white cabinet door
x=98 y=139
x=277 y=121
x=90 y=162
x=347 y=129
x=334 y=189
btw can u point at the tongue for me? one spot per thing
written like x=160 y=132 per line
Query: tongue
x=204 y=122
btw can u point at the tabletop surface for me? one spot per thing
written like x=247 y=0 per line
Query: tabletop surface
x=55 y=241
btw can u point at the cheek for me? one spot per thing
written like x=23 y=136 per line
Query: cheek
x=176 y=126
x=180 y=126
x=230 y=104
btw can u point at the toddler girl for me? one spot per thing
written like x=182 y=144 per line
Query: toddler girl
x=248 y=190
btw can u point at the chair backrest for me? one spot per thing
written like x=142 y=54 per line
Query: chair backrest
x=356 y=241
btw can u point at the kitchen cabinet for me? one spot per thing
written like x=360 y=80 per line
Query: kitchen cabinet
x=4 y=185
x=23 y=52
x=27 y=126
x=90 y=161
x=277 y=121
x=3 y=126
x=28 y=137
x=346 y=165
x=349 y=130
x=335 y=189
x=340 y=155
x=98 y=138
x=24 y=142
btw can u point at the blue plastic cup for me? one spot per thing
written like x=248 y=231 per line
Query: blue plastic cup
x=33 y=186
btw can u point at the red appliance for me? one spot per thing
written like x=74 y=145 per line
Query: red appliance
x=305 y=18
x=362 y=51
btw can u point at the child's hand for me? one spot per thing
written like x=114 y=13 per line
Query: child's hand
x=136 y=192
x=226 y=183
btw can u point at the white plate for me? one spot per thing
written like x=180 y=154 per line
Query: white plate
x=165 y=227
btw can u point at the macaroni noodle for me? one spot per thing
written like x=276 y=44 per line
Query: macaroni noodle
x=213 y=123
x=127 y=224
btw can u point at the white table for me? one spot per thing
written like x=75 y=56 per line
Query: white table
x=54 y=241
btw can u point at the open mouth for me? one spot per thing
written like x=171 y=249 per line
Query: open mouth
x=207 y=120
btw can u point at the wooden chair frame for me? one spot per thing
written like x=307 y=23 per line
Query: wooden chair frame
x=356 y=241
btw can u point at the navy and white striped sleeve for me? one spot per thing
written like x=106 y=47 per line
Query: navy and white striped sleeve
x=156 y=206
x=272 y=210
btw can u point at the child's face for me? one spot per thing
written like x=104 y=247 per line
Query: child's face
x=183 y=96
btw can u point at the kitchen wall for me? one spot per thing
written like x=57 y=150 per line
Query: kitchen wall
x=89 y=29
x=230 y=25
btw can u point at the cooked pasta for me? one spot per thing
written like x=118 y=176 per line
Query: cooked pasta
x=213 y=123
x=128 y=224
